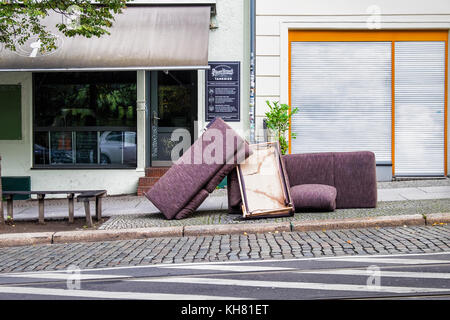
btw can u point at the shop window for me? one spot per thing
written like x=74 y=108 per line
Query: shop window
x=85 y=119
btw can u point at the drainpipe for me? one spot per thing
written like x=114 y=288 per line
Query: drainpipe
x=252 y=111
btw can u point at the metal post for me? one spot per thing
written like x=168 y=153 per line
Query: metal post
x=2 y=218
x=252 y=112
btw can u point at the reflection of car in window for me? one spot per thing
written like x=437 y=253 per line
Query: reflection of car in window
x=118 y=147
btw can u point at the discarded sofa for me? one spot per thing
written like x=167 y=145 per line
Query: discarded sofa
x=184 y=187
x=323 y=181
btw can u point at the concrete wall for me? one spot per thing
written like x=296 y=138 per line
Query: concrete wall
x=274 y=19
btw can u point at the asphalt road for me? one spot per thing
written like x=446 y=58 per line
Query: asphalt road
x=405 y=276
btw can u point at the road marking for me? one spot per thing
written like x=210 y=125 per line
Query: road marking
x=396 y=274
x=64 y=276
x=108 y=295
x=291 y=285
x=256 y=261
x=389 y=260
x=230 y=268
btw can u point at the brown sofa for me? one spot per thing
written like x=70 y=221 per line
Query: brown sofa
x=182 y=189
x=324 y=181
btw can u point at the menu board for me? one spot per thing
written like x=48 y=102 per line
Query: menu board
x=223 y=91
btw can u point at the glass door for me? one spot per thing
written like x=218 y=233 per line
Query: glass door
x=173 y=107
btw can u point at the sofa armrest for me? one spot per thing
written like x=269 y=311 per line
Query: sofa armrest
x=355 y=179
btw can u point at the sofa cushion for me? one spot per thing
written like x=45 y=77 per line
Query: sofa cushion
x=310 y=168
x=314 y=196
x=355 y=179
x=216 y=148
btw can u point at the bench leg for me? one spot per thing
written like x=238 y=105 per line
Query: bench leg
x=70 y=197
x=41 y=208
x=98 y=208
x=87 y=209
x=9 y=208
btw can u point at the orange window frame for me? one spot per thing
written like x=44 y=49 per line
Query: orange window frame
x=375 y=35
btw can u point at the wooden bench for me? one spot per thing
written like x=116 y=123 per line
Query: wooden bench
x=82 y=196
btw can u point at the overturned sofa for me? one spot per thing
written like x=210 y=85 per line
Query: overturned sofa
x=323 y=181
x=184 y=187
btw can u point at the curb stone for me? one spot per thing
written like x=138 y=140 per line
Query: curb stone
x=111 y=235
x=437 y=218
x=366 y=222
x=23 y=239
x=200 y=230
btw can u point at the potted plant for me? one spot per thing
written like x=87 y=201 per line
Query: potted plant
x=278 y=120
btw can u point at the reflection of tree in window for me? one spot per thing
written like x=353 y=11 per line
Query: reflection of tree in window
x=75 y=102
x=176 y=98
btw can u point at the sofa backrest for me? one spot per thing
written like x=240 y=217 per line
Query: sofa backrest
x=310 y=168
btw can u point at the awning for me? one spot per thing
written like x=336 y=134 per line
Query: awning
x=142 y=38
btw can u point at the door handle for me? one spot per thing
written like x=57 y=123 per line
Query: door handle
x=155 y=118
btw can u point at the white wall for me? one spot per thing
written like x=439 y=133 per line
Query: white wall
x=275 y=18
x=230 y=43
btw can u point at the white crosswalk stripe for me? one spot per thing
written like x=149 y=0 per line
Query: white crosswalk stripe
x=387 y=260
x=395 y=274
x=293 y=285
x=229 y=268
x=65 y=276
x=107 y=294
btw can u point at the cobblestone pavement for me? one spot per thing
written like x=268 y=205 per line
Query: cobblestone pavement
x=420 y=239
x=222 y=217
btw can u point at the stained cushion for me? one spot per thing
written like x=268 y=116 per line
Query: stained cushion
x=314 y=196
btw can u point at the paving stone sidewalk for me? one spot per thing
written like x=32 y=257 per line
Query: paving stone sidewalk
x=424 y=207
x=398 y=197
x=283 y=245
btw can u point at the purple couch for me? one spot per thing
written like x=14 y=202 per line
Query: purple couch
x=183 y=188
x=324 y=181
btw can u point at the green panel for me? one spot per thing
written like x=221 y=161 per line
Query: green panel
x=223 y=184
x=10 y=112
x=17 y=184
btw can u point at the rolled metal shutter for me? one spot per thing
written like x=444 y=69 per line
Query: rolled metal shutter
x=419 y=108
x=343 y=91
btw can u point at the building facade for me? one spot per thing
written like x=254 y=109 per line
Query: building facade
x=365 y=75
x=97 y=112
